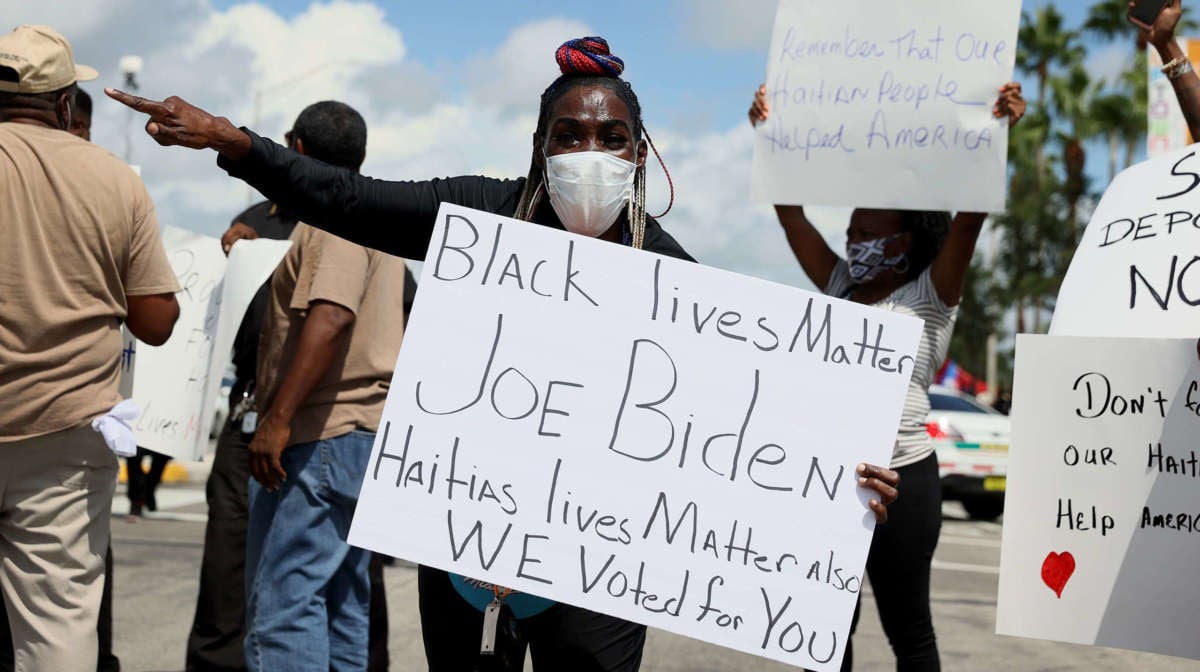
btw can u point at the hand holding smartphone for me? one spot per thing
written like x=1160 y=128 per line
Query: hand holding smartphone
x=1143 y=13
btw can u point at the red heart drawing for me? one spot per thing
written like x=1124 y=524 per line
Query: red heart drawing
x=1057 y=570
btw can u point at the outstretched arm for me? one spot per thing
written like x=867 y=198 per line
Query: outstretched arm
x=814 y=254
x=394 y=217
x=949 y=269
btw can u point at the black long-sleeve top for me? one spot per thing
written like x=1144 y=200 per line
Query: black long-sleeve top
x=393 y=217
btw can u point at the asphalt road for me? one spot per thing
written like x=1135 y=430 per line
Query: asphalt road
x=157 y=561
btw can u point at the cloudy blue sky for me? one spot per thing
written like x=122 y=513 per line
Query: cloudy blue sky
x=451 y=88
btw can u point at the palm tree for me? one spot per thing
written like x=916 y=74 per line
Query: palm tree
x=1136 y=81
x=1116 y=118
x=1044 y=45
x=1107 y=19
x=1029 y=253
x=1072 y=95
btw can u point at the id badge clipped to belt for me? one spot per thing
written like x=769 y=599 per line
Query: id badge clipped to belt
x=244 y=414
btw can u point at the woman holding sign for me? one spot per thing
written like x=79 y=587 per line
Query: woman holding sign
x=913 y=263
x=586 y=175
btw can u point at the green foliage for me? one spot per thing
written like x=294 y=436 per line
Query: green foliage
x=979 y=316
x=1034 y=239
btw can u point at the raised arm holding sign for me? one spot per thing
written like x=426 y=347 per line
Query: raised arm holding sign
x=587 y=175
x=1178 y=69
x=906 y=261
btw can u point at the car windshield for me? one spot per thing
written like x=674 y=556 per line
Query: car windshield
x=948 y=402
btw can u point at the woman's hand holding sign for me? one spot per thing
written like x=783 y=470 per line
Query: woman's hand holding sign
x=175 y=121
x=883 y=481
x=1010 y=104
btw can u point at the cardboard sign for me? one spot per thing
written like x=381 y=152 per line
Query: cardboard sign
x=644 y=437
x=250 y=264
x=176 y=383
x=1102 y=517
x=887 y=104
x=1137 y=269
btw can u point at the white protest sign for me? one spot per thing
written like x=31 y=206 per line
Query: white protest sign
x=175 y=384
x=887 y=104
x=169 y=380
x=251 y=263
x=1137 y=269
x=649 y=438
x=1102 y=516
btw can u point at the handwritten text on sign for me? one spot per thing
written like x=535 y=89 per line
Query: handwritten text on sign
x=887 y=104
x=176 y=384
x=1137 y=269
x=1102 y=518
x=169 y=381
x=641 y=436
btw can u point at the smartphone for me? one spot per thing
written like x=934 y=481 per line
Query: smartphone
x=1145 y=12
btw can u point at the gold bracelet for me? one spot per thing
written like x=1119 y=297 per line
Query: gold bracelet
x=1177 y=67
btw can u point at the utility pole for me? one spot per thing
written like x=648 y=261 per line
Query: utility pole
x=130 y=66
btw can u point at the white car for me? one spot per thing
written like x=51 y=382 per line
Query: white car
x=971 y=441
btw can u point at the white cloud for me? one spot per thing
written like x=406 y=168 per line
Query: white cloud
x=722 y=24
x=68 y=18
x=714 y=218
x=515 y=74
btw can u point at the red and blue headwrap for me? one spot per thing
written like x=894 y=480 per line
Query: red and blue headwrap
x=588 y=56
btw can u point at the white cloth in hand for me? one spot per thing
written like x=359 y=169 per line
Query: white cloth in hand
x=114 y=427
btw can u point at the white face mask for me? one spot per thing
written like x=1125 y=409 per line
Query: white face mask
x=589 y=189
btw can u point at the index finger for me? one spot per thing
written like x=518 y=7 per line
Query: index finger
x=888 y=476
x=279 y=474
x=151 y=107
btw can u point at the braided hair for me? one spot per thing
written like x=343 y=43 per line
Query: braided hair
x=929 y=229
x=588 y=61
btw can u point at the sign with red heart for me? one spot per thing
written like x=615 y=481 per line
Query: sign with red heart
x=1101 y=494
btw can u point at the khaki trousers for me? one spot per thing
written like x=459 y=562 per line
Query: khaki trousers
x=55 y=503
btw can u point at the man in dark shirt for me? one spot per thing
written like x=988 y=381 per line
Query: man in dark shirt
x=215 y=643
x=219 y=625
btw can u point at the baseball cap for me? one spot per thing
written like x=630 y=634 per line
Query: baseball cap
x=42 y=60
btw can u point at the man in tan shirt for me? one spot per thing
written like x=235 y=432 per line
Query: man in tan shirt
x=325 y=359
x=81 y=256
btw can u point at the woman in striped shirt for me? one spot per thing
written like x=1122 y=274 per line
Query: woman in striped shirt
x=913 y=263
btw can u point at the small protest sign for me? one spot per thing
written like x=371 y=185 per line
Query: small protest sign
x=887 y=104
x=250 y=264
x=637 y=435
x=1137 y=269
x=175 y=384
x=1102 y=517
